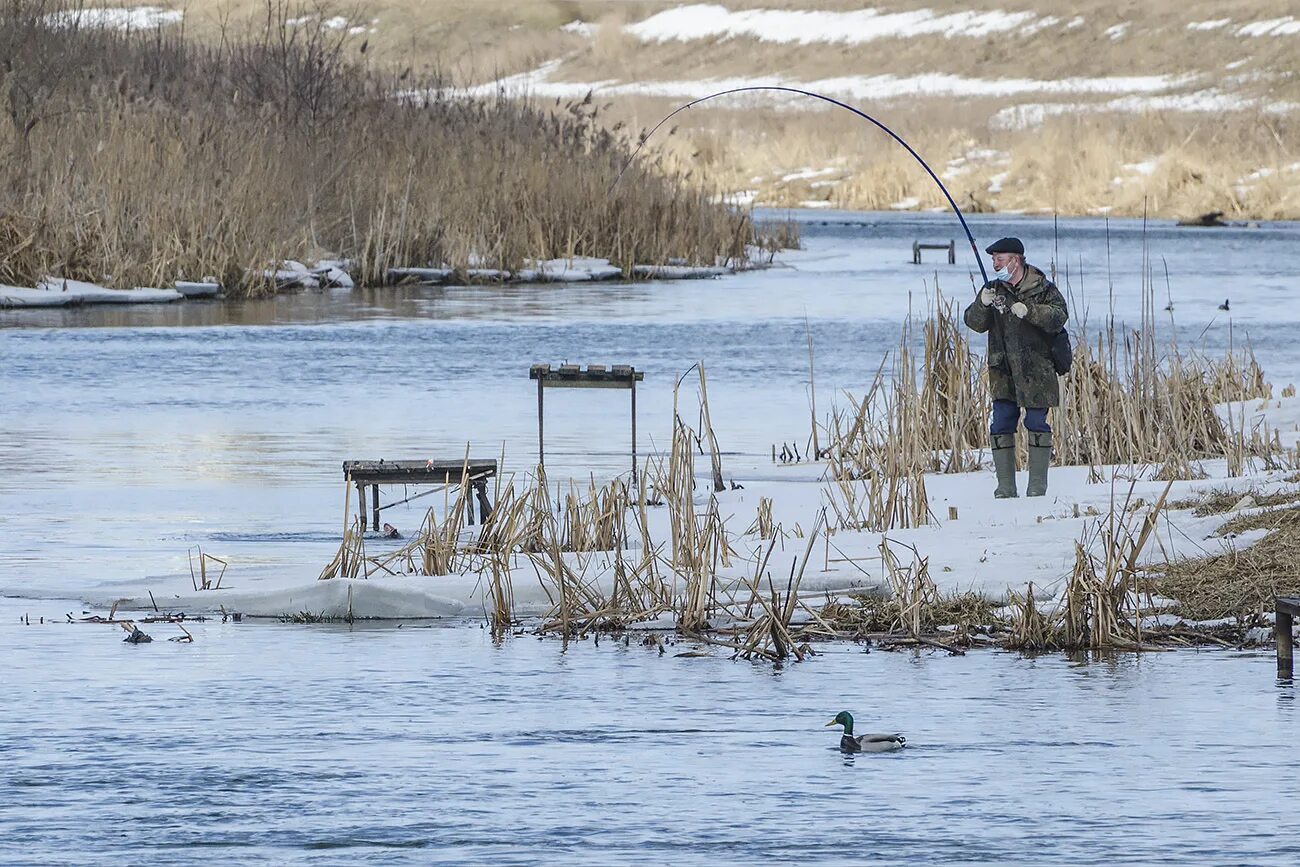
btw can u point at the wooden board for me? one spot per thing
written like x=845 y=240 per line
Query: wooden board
x=416 y=472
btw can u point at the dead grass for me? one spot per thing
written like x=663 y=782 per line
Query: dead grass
x=1238 y=583
x=1068 y=165
x=1216 y=501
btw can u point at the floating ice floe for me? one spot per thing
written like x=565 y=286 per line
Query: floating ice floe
x=58 y=292
x=739 y=198
x=681 y=272
x=580 y=269
x=198 y=288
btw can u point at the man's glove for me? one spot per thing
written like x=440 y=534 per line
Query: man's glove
x=1020 y=310
x=988 y=296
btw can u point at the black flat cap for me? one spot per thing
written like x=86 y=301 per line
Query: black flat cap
x=1006 y=245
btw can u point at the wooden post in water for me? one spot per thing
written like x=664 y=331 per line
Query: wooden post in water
x=374 y=496
x=634 y=430
x=361 y=504
x=541 y=442
x=1284 y=624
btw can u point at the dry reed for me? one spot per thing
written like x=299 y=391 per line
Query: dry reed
x=141 y=158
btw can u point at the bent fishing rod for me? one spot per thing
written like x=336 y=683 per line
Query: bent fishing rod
x=835 y=102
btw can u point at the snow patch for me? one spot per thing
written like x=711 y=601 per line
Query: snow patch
x=909 y=204
x=538 y=83
x=1146 y=167
x=579 y=27
x=59 y=292
x=1034 y=114
x=1288 y=26
x=1209 y=25
x=806 y=173
x=1117 y=32
x=710 y=21
x=116 y=18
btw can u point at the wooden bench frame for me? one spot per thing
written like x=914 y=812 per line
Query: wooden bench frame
x=951 y=247
x=573 y=376
x=441 y=473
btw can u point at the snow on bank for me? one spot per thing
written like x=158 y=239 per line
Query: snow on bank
x=580 y=269
x=1288 y=26
x=1204 y=101
x=116 y=18
x=974 y=542
x=539 y=83
x=711 y=21
x=54 y=292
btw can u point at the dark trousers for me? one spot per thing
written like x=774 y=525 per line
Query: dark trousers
x=1006 y=416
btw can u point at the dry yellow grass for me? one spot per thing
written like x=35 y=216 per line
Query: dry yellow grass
x=135 y=159
x=1240 y=159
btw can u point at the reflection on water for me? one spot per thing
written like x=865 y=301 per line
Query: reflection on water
x=410 y=745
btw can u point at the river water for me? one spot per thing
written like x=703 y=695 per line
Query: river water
x=131 y=435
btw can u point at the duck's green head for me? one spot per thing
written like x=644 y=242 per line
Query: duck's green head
x=843 y=718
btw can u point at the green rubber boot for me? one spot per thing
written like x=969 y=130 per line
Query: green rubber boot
x=1004 y=461
x=1040 y=458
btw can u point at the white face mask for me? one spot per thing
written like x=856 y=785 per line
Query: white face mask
x=1003 y=273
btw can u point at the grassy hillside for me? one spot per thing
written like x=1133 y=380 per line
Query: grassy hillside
x=1037 y=105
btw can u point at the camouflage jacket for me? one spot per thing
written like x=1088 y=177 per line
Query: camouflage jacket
x=1020 y=350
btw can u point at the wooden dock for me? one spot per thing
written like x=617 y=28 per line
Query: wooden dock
x=441 y=473
x=1284 y=625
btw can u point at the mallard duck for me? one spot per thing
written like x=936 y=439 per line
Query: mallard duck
x=874 y=743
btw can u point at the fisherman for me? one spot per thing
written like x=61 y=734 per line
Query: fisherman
x=1021 y=311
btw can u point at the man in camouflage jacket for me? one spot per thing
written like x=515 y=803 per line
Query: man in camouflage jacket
x=1021 y=311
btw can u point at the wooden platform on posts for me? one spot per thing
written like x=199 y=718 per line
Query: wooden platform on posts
x=440 y=473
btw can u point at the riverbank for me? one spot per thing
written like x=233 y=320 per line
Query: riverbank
x=219 y=162
x=292 y=276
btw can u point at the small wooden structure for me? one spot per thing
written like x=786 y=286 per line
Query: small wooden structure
x=441 y=473
x=1284 y=624
x=951 y=247
x=573 y=376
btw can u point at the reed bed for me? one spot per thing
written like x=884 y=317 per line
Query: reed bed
x=1239 y=583
x=1127 y=400
x=135 y=159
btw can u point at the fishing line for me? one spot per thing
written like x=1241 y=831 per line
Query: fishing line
x=835 y=102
